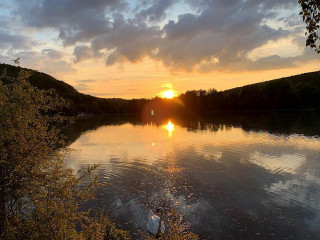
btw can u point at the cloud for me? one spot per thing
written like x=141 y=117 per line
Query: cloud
x=14 y=41
x=4 y=22
x=167 y=85
x=127 y=41
x=265 y=5
x=82 y=87
x=4 y=5
x=54 y=54
x=76 y=20
x=44 y=62
x=224 y=33
x=104 y=94
x=57 y=67
x=27 y=57
x=214 y=35
x=81 y=53
x=156 y=11
x=293 y=20
x=86 y=81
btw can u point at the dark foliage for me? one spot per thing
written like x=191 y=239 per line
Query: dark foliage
x=310 y=12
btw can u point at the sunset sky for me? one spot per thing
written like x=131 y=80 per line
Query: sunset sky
x=141 y=48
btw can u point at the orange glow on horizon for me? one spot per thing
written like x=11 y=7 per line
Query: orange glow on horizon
x=154 y=75
x=168 y=94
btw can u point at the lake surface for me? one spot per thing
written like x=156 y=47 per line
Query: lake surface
x=252 y=175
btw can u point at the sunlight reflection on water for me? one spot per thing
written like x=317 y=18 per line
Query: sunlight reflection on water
x=221 y=178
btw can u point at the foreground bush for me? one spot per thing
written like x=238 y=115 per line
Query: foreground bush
x=39 y=196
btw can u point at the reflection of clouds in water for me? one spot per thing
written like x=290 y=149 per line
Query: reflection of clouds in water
x=285 y=163
x=304 y=191
x=215 y=156
x=211 y=153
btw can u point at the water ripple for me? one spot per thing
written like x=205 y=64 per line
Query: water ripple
x=221 y=179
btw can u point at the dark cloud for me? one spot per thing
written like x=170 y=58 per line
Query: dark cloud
x=260 y=5
x=264 y=63
x=217 y=34
x=156 y=11
x=4 y=5
x=14 y=41
x=52 y=53
x=226 y=33
x=76 y=20
x=274 y=61
x=81 y=53
x=128 y=41
x=5 y=22
x=294 y=20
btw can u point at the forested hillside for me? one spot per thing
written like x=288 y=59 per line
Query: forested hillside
x=78 y=102
x=296 y=92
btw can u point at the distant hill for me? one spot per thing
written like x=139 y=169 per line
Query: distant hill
x=79 y=102
x=300 y=91
x=295 y=92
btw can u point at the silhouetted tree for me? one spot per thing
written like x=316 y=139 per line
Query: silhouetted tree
x=311 y=16
x=16 y=61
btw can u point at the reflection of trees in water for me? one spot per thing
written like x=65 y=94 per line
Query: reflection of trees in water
x=296 y=122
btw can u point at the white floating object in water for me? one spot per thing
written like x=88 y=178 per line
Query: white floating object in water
x=153 y=223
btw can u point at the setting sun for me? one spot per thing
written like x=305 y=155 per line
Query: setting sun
x=168 y=94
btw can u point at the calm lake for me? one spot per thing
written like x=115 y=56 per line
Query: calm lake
x=255 y=175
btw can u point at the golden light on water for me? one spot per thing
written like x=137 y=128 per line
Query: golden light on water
x=169 y=127
x=168 y=94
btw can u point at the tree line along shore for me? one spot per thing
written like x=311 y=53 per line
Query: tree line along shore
x=289 y=93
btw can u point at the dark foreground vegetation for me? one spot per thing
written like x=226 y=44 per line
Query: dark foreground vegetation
x=39 y=197
x=290 y=93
